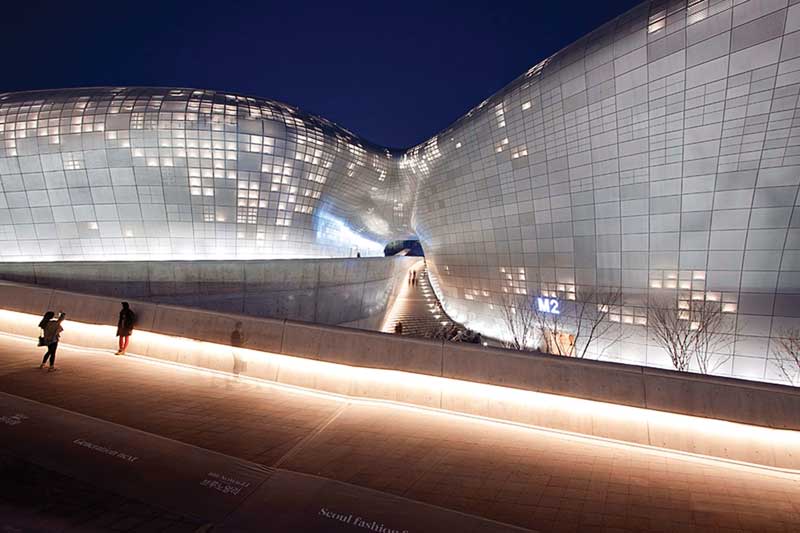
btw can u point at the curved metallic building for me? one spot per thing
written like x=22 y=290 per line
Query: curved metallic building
x=123 y=173
x=659 y=154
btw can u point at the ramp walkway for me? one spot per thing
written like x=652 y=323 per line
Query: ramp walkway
x=216 y=490
x=243 y=455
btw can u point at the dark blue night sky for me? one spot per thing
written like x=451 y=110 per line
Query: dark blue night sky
x=393 y=72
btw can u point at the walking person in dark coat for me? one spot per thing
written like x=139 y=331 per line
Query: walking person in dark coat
x=51 y=333
x=127 y=318
x=237 y=341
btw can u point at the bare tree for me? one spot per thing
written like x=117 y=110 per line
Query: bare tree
x=787 y=354
x=697 y=330
x=549 y=327
x=592 y=319
x=714 y=335
x=521 y=320
x=585 y=320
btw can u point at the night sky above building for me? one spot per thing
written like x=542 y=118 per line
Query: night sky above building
x=394 y=73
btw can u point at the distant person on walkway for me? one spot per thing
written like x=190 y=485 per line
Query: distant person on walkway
x=127 y=318
x=237 y=341
x=51 y=333
x=358 y=255
x=398 y=328
x=413 y=277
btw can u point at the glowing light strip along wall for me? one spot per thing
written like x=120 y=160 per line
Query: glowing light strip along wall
x=733 y=442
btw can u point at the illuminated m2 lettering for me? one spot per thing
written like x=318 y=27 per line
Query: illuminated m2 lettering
x=547 y=305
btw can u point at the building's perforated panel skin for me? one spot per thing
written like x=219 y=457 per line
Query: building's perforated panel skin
x=659 y=154
x=178 y=173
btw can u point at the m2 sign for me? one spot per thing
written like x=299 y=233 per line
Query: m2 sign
x=547 y=305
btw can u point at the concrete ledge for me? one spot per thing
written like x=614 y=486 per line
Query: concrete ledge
x=263 y=333
x=329 y=291
x=362 y=348
x=736 y=400
x=691 y=394
x=545 y=391
x=592 y=380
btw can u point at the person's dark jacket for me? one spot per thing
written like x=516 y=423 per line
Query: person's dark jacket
x=127 y=319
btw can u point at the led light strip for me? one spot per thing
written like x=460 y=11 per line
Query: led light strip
x=549 y=404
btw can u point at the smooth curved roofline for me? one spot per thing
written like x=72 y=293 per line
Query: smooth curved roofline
x=395 y=152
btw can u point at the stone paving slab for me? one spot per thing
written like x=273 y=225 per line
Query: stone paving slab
x=544 y=480
x=34 y=499
x=531 y=478
x=193 y=481
x=199 y=408
x=222 y=492
x=289 y=501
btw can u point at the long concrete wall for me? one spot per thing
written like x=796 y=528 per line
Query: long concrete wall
x=493 y=383
x=352 y=292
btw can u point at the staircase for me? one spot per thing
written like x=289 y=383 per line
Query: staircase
x=417 y=308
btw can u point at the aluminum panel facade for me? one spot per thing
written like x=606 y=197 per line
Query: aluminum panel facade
x=659 y=154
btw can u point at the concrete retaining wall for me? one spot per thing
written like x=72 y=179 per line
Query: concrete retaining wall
x=352 y=292
x=422 y=364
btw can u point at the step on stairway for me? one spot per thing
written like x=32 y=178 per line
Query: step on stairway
x=418 y=309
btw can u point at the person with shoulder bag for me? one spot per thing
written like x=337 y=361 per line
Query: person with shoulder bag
x=42 y=323
x=51 y=334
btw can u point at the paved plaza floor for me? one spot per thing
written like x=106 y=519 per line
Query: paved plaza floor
x=184 y=449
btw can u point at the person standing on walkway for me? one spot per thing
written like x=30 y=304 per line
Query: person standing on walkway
x=51 y=334
x=42 y=324
x=237 y=341
x=127 y=318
